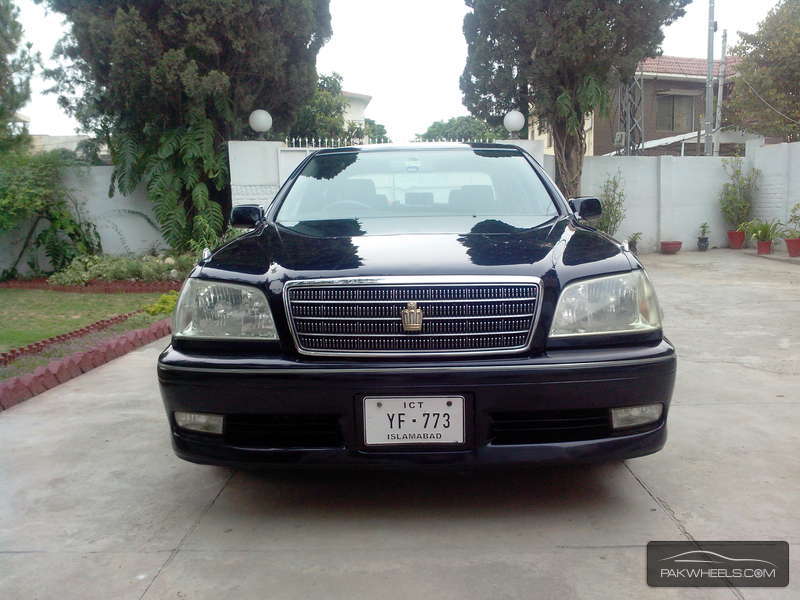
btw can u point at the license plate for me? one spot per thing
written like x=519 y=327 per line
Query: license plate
x=413 y=420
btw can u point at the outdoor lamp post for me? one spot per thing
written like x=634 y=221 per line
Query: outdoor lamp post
x=260 y=122
x=514 y=121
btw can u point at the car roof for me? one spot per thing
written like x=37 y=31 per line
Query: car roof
x=415 y=146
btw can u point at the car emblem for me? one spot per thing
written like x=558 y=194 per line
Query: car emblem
x=412 y=318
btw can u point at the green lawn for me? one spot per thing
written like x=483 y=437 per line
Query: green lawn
x=28 y=316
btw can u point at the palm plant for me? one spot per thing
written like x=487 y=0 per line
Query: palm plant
x=762 y=231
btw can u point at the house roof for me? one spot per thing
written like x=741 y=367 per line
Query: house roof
x=684 y=66
x=356 y=96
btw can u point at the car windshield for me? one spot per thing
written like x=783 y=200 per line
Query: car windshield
x=391 y=191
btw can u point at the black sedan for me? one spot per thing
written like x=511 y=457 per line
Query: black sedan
x=426 y=304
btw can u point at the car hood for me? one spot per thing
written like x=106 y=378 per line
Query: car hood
x=275 y=253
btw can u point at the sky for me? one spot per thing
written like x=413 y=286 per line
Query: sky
x=407 y=54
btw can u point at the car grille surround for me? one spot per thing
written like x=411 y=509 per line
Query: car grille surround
x=460 y=315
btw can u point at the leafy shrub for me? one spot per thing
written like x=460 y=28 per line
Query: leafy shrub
x=762 y=231
x=612 y=197
x=84 y=269
x=164 y=305
x=32 y=193
x=792 y=229
x=736 y=197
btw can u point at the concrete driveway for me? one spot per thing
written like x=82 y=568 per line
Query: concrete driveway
x=94 y=505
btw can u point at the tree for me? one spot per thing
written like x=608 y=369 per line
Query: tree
x=323 y=117
x=555 y=60
x=166 y=83
x=766 y=91
x=462 y=128
x=370 y=130
x=16 y=68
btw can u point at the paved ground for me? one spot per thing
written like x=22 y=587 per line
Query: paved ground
x=94 y=505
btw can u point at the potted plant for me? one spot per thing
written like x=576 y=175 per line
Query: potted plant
x=633 y=241
x=702 y=241
x=763 y=232
x=791 y=234
x=736 y=199
x=670 y=247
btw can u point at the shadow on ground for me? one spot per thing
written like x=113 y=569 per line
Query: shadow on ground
x=406 y=494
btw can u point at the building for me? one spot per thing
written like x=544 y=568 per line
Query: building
x=673 y=103
x=356 y=105
x=44 y=143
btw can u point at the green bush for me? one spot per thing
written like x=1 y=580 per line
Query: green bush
x=84 y=269
x=612 y=197
x=33 y=195
x=762 y=231
x=736 y=197
x=164 y=305
x=792 y=229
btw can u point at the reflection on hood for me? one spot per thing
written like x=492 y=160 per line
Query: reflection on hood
x=588 y=246
x=486 y=244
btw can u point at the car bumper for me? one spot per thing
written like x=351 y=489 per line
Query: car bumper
x=576 y=382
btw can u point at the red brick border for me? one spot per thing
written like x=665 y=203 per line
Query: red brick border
x=95 y=287
x=20 y=388
x=13 y=354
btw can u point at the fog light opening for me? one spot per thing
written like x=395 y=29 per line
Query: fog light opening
x=202 y=422
x=634 y=416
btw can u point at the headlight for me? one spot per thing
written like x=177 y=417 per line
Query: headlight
x=210 y=309
x=624 y=303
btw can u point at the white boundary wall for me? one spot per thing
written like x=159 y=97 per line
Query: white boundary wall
x=669 y=197
x=779 y=183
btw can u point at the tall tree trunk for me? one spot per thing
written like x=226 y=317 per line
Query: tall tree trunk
x=569 y=146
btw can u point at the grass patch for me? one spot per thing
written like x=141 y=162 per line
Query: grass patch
x=27 y=316
x=29 y=362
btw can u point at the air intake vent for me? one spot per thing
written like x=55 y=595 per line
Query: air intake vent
x=283 y=431
x=551 y=426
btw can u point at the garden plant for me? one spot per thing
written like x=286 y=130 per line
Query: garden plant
x=702 y=240
x=736 y=199
x=791 y=233
x=612 y=197
x=763 y=232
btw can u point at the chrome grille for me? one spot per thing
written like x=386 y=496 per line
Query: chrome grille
x=362 y=316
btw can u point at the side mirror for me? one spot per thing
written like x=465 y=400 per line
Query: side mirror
x=246 y=216
x=586 y=207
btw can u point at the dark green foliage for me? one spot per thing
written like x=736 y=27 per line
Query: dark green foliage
x=770 y=68
x=555 y=60
x=323 y=117
x=462 y=128
x=372 y=131
x=16 y=68
x=168 y=82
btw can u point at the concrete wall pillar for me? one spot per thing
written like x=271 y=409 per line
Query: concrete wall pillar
x=255 y=171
